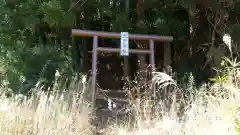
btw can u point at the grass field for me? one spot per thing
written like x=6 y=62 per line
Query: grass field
x=204 y=114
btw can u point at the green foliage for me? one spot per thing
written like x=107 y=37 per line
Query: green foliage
x=24 y=59
x=219 y=79
x=53 y=12
x=235 y=32
x=121 y=23
x=28 y=52
x=237 y=121
x=33 y=64
x=56 y=15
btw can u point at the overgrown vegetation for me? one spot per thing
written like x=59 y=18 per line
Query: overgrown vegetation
x=36 y=38
x=207 y=110
x=42 y=68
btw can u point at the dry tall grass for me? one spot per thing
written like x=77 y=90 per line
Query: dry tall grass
x=43 y=114
x=205 y=115
x=48 y=118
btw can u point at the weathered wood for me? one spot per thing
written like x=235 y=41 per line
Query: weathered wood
x=114 y=35
x=94 y=69
x=152 y=62
x=116 y=50
x=152 y=55
x=167 y=57
x=126 y=66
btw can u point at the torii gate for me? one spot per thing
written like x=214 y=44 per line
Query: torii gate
x=113 y=35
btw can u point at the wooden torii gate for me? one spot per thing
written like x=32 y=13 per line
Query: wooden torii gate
x=113 y=35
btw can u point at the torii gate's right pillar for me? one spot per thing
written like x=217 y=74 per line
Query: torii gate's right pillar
x=167 y=60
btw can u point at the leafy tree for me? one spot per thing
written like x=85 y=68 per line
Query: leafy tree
x=35 y=35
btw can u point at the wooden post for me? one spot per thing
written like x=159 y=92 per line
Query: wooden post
x=152 y=55
x=94 y=69
x=152 y=62
x=141 y=64
x=126 y=66
x=167 y=55
x=126 y=60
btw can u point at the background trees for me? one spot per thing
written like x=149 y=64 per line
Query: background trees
x=36 y=41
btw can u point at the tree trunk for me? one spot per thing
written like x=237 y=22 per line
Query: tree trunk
x=79 y=48
x=141 y=57
x=201 y=34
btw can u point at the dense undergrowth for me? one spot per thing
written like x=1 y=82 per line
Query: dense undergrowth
x=212 y=109
x=35 y=41
x=208 y=110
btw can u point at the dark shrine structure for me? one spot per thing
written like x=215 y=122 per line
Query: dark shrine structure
x=154 y=45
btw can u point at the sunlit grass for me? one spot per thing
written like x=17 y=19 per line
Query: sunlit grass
x=218 y=117
x=40 y=115
x=67 y=115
